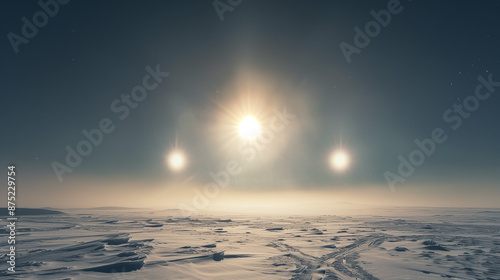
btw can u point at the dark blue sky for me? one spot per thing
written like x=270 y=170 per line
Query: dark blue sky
x=396 y=90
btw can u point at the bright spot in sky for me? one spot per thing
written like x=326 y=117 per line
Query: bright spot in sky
x=339 y=160
x=249 y=128
x=176 y=160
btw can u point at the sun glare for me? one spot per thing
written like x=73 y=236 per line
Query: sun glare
x=176 y=160
x=249 y=128
x=339 y=160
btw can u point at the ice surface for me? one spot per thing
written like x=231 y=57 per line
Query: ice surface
x=416 y=243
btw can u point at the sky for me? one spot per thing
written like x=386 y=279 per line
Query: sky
x=366 y=77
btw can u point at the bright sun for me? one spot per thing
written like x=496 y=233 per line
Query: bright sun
x=249 y=128
x=176 y=160
x=339 y=160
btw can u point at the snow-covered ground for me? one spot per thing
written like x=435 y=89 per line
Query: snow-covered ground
x=416 y=243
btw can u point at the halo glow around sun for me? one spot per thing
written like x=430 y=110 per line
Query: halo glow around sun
x=176 y=160
x=339 y=160
x=249 y=128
